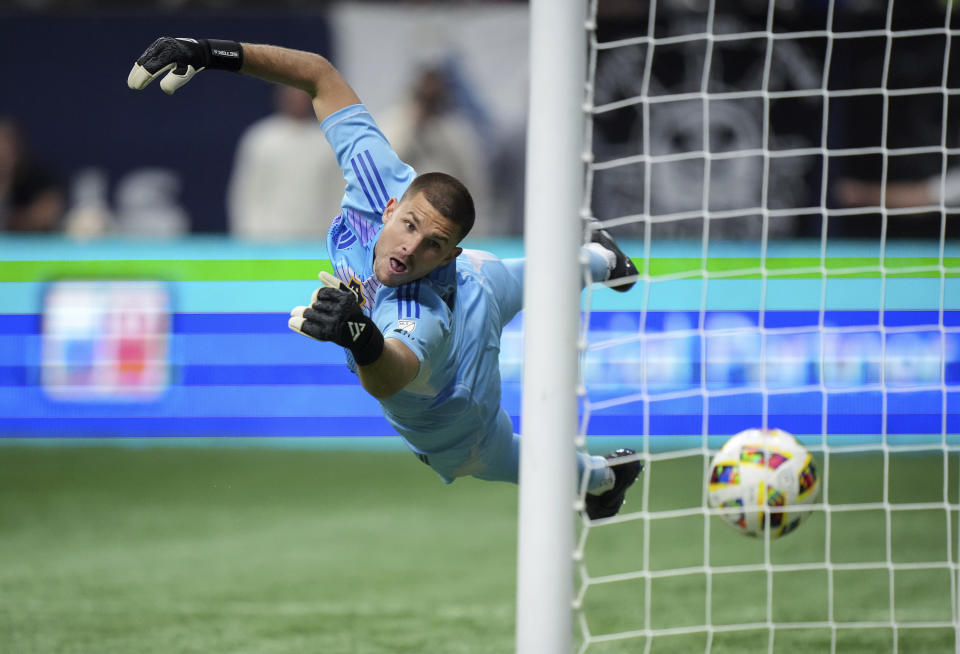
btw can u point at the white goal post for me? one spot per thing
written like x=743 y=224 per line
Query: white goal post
x=787 y=176
x=554 y=192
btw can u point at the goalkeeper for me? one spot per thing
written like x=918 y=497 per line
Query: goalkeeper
x=420 y=318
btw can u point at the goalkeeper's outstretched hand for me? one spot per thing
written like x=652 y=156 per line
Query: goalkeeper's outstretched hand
x=334 y=315
x=184 y=58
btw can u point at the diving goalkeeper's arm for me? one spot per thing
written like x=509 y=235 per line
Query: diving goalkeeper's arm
x=383 y=366
x=182 y=58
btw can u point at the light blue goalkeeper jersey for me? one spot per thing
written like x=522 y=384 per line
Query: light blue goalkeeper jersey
x=451 y=319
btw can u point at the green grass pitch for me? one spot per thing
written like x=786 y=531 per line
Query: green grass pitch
x=161 y=549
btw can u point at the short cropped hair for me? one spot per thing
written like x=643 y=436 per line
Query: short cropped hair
x=448 y=196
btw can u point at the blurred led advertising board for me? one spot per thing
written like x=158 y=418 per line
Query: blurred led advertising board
x=105 y=341
x=92 y=344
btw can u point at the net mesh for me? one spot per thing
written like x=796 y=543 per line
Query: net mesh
x=783 y=174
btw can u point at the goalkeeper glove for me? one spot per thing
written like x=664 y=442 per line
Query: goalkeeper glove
x=186 y=58
x=334 y=315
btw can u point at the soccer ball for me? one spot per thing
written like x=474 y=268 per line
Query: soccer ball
x=760 y=473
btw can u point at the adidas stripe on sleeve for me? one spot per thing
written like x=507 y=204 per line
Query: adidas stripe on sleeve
x=414 y=314
x=372 y=170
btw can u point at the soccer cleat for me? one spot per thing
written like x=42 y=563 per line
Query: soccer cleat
x=608 y=504
x=624 y=273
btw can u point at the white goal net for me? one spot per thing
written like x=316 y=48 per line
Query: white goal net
x=784 y=175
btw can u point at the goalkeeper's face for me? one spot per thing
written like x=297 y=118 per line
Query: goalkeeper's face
x=416 y=239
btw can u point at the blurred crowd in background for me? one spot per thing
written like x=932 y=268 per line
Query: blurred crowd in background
x=447 y=83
